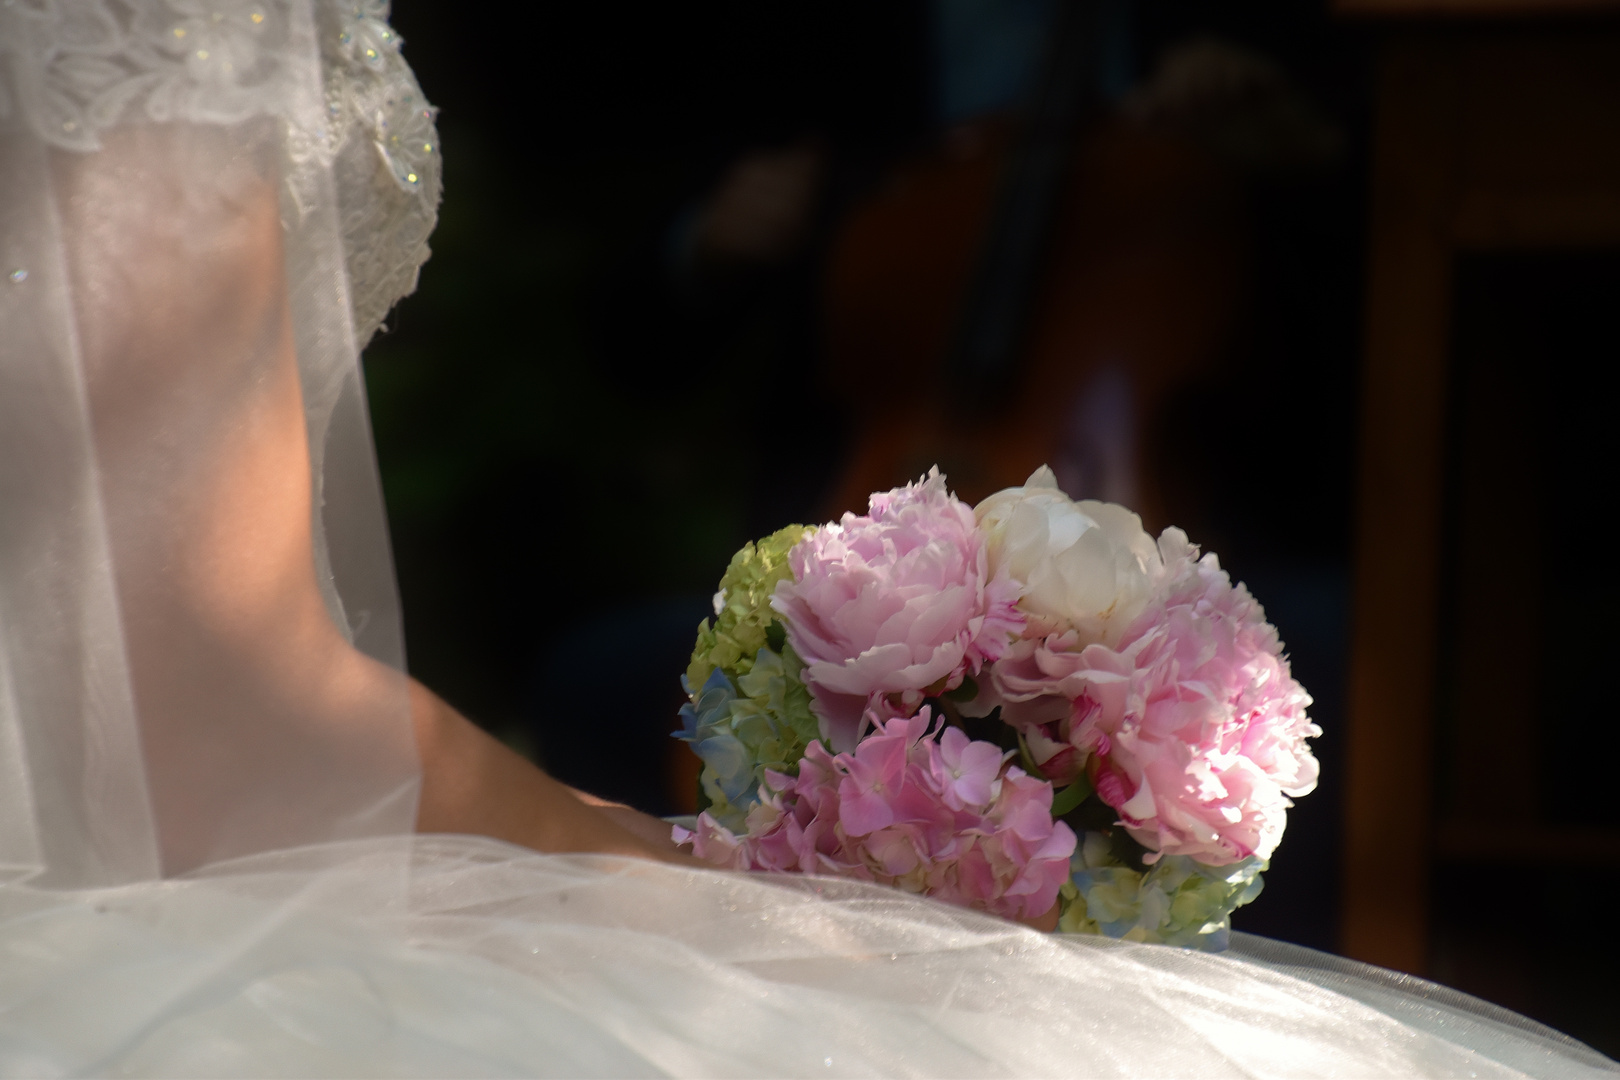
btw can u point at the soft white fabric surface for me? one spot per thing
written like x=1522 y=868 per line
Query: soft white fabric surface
x=451 y=956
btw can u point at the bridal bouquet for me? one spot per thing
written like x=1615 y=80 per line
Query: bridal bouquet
x=1010 y=706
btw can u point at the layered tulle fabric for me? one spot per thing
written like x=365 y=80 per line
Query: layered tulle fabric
x=453 y=956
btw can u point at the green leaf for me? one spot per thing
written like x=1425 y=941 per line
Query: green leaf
x=1071 y=797
x=776 y=636
x=1026 y=759
x=1123 y=846
x=964 y=693
x=1092 y=815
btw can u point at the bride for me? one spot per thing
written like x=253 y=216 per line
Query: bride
x=236 y=839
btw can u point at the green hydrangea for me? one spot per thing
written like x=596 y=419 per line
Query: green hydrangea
x=743 y=614
x=749 y=709
x=773 y=717
x=1176 y=901
x=764 y=723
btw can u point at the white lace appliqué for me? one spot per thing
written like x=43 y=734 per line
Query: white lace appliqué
x=72 y=69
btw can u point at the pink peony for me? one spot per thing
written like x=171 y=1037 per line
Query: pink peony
x=891 y=606
x=948 y=817
x=1192 y=728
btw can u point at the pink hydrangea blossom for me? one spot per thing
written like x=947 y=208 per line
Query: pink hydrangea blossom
x=948 y=817
x=1192 y=728
x=887 y=607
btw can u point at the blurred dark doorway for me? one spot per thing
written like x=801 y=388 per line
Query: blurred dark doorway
x=1528 y=833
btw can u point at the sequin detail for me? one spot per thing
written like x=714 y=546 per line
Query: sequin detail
x=227 y=61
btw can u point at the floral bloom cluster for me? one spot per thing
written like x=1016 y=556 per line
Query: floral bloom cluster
x=1024 y=704
x=948 y=817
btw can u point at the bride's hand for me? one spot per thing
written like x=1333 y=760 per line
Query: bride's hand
x=655 y=831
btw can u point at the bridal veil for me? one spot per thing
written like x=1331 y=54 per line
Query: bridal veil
x=204 y=208
x=207 y=776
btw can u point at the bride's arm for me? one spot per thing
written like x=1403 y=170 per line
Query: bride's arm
x=260 y=724
x=472 y=783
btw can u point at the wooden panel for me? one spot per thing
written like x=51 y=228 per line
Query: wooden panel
x=1539 y=111
x=1538 y=140
x=1564 y=847
x=1486 y=220
x=1470 y=8
x=1393 y=647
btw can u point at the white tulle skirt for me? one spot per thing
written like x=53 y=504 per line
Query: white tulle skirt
x=452 y=956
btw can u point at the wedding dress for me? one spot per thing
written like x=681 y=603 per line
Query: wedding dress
x=206 y=858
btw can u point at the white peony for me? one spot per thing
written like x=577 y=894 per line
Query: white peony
x=1086 y=565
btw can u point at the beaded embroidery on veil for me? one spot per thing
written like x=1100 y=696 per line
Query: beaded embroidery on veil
x=300 y=929
x=78 y=69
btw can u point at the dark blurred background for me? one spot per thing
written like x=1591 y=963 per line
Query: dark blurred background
x=706 y=269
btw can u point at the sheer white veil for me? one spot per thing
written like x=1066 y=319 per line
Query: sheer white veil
x=206 y=208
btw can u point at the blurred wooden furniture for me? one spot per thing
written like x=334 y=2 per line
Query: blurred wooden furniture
x=1145 y=224
x=1492 y=134
x=1471 y=8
